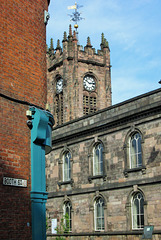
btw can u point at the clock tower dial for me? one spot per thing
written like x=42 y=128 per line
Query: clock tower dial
x=89 y=83
x=59 y=85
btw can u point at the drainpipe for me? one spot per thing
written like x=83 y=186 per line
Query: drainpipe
x=40 y=122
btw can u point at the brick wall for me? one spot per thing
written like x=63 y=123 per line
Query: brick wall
x=23 y=81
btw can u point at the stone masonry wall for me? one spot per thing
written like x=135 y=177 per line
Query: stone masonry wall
x=110 y=126
x=116 y=212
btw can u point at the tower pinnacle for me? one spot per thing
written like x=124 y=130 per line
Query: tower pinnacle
x=89 y=42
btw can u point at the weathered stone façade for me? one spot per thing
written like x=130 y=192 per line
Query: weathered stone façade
x=111 y=126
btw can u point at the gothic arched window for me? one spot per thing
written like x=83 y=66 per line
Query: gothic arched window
x=98 y=159
x=137 y=208
x=67 y=166
x=135 y=150
x=99 y=214
x=68 y=216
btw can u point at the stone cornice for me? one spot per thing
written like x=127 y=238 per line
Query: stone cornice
x=104 y=233
x=91 y=61
x=115 y=106
x=115 y=121
x=106 y=187
x=87 y=61
x=55 y=65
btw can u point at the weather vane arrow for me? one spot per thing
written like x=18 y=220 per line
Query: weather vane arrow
x=72 y=7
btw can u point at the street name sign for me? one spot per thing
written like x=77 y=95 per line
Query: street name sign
x=14 y=182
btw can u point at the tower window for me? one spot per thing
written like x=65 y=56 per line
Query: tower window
x=89 y=103
x=59 y=109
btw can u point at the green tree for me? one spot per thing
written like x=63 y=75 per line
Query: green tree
x=63 y=227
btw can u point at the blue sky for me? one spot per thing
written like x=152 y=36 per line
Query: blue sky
x=133 y=30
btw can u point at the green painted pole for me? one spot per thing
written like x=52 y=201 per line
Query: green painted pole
x=40 y=123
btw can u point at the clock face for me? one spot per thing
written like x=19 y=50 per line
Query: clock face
x=89 y=83
x=59 y=85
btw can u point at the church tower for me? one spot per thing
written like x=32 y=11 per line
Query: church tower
x=79 y=80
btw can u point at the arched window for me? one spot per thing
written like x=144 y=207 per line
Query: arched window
x=67 y=166
x=68 y=216
x=99 y=214
x=98 y=159
x=135 y=150
x=137 y=208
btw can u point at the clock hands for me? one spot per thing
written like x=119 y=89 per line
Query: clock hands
x=89 y=83
x=59 y=85
x=89 y=80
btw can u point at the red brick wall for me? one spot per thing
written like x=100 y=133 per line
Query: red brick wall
x=23 y=77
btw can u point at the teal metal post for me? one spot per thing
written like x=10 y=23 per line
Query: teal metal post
x=40 y=123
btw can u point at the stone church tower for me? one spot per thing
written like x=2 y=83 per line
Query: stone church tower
x=104 y=170
x=79 y=81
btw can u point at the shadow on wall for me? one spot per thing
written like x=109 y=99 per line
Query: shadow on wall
x=153 y=156
x=15 y=201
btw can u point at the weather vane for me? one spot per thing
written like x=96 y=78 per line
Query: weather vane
x=75 y=16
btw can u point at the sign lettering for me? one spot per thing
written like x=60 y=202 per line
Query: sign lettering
x=14 y=182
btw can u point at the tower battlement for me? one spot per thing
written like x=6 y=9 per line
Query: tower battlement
x=71 y=49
